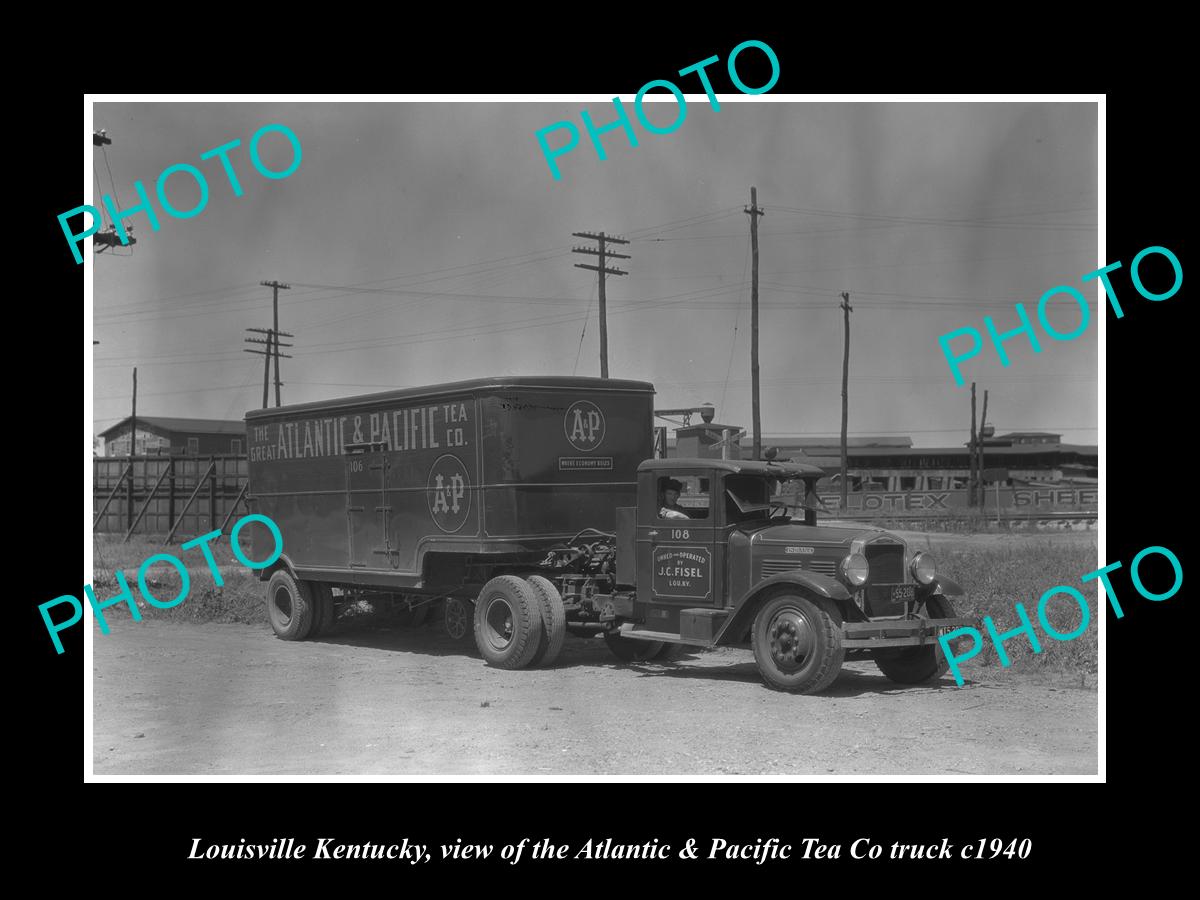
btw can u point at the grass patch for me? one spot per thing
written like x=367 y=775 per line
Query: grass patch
x=996 y=578
x=242 y=598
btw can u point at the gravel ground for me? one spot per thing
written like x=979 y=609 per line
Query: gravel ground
x=368 y=699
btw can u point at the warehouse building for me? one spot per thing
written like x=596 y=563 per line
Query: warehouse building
x=892 y=463
x=167 y=436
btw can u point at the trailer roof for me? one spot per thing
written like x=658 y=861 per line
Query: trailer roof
x=737 y=466
x=462 y=387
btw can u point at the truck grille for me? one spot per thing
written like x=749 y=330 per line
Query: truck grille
x=775 y=566
x=886 y=562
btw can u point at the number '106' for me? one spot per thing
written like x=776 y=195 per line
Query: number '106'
x=996 y=847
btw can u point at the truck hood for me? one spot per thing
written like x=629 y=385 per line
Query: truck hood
x=813 y=535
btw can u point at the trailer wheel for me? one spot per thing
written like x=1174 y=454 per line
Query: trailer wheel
x=554 y=620
x=323 y=611
x=631 y=649
x=508 y=622
x=289 y=606
x=913 y=665
x=797 y=644
x=457 y=618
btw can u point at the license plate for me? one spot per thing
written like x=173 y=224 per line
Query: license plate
x=903 y=593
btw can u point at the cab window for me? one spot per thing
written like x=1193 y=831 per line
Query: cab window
x=748 y=498
x=682 y=497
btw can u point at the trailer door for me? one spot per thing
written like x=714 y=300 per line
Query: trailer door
x=367 y=512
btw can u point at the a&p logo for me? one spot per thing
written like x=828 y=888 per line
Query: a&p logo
x=449 y=493
x=584 y=425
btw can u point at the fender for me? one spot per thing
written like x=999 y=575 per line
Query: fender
x=746 y=608
x=941 y=585
x=284 y=562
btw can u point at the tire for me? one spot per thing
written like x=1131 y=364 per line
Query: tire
x=914 y=665
x=289 y=606
x=457 y=618
x=323 y=611
x=554 y=620
x=671 y=652
x=631 y=649
x=797 y=644
x=508 y=622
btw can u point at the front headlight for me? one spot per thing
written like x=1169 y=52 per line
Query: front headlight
x=922 y=568
x=855 y=569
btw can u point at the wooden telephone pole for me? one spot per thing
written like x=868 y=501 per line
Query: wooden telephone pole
x=754 y=212
x=273 y=345
x=983 y=433
x=971 y=474
x=132 y=451
x=276 y=287
x=846 y=310
x=604 y=253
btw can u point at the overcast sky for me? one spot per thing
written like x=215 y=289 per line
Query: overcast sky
x=428 y=242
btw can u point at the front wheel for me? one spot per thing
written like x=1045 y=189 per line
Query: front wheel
x=797 y=644
x=913 y=665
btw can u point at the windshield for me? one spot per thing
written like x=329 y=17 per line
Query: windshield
x=749 y=497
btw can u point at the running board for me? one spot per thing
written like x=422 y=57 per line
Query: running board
x=629 y=630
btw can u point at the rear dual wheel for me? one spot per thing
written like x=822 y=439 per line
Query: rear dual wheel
x=554 y=620
x=290 y=606
x=508 y=622
x=323 y=610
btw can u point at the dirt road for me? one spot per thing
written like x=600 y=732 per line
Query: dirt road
x=173 y=698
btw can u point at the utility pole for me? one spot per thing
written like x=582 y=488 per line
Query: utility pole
x=601 y=270
x=971 y=475
x=754 y=212
x=275 y=286
x=273 y=345
x=132 y=451
x=846 y=310
x=979 y=451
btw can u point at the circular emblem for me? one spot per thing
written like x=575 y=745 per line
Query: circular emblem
x=584 y=425
x=448 y=491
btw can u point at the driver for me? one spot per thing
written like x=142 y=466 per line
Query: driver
x=669 y=508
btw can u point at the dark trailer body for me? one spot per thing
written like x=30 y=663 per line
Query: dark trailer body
x=395 y=490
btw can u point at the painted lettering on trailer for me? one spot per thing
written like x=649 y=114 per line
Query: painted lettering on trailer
x=411 y=428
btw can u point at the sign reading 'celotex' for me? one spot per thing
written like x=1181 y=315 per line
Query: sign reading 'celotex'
x=412 y=428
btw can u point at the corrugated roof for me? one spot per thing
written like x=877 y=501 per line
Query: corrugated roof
x=171 y=423
x=835 y=441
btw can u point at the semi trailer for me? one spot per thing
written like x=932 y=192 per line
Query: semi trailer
x=530 y=507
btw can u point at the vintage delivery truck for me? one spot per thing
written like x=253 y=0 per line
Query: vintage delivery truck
x=530 y=507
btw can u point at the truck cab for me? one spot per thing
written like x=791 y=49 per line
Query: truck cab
x=729 y=564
